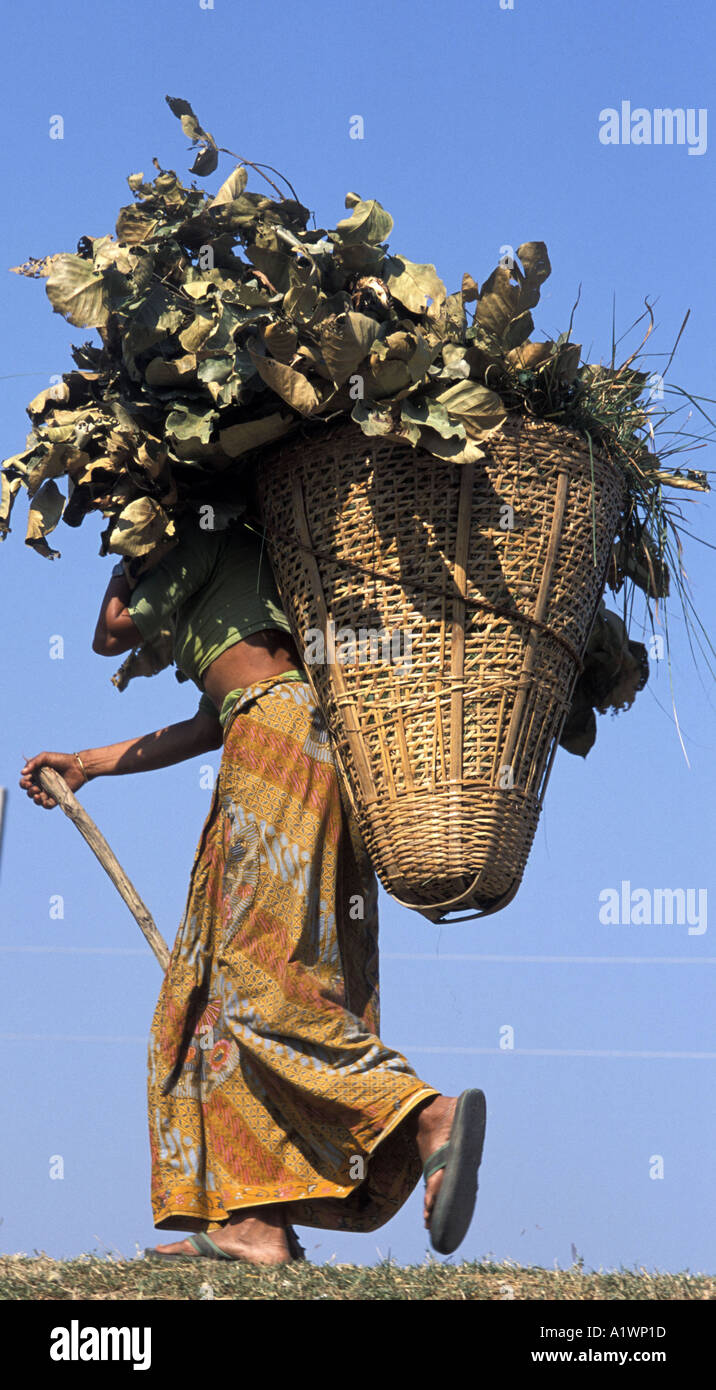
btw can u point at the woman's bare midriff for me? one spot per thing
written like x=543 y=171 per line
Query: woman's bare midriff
x=263 y=654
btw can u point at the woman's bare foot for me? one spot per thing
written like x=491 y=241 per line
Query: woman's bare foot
x=261 y=1240
x=434 y=1122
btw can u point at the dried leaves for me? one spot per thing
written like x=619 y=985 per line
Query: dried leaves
x=615 y=670
x=225 y=323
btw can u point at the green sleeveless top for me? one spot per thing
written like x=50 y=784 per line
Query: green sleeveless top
x=212 y=590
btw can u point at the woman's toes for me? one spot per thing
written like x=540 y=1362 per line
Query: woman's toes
x=177 y=1247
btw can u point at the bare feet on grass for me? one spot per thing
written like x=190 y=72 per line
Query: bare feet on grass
x=260 y=1239
x=434 y=1122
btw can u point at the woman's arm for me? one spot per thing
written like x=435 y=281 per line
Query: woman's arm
x=174 y=744
x=115 y=631
x=132 y=615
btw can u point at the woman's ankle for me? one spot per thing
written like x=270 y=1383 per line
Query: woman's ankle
x=267 y=1216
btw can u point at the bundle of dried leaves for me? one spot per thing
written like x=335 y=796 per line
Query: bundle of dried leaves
x=226 y=323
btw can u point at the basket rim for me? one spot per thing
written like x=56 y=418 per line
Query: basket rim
x=316 y=430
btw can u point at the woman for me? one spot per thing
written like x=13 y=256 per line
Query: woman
x=271 y=1097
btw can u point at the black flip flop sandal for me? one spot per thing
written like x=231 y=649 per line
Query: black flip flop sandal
x=294 y=1245
x=460 y=1157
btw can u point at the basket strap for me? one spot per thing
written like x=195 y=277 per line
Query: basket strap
x=439 y=908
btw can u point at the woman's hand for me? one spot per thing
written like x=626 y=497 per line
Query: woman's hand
x=64 y=763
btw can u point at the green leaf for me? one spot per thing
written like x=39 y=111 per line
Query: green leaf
x=368 y=222
x=372 y=419
x=152 y=317
x=380 y=420
x=432 y=414
x=215 y=369
x=185 y=427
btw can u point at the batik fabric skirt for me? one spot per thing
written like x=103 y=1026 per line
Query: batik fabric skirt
x=268 y=1082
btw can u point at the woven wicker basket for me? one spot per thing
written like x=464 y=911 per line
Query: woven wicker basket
x=470 y=591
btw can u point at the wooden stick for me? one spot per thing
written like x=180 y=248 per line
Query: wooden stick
x=56 y=786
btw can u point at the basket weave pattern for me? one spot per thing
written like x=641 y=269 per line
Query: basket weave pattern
x=445 y=738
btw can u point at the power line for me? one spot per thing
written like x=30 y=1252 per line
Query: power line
x=550 y=960
x=605 y=1053
x=433 y=957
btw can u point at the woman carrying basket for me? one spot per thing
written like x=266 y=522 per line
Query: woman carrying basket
x=271 y=1096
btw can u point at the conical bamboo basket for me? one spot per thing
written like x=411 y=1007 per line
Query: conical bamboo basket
x=475 y=588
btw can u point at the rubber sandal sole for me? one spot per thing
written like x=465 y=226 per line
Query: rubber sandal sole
x=211 y=1251
x=182 y=1257
x=455 y=1202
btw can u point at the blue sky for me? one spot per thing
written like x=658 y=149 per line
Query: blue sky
x=480 y=131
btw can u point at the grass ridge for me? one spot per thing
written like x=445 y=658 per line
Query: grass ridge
x=95 y=1277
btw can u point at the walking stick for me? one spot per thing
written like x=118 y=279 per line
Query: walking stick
x=56 y=786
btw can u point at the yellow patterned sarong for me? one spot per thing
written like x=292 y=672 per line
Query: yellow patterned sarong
x=268 y=1081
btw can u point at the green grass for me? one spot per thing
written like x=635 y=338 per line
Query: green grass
x=39 y=1278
